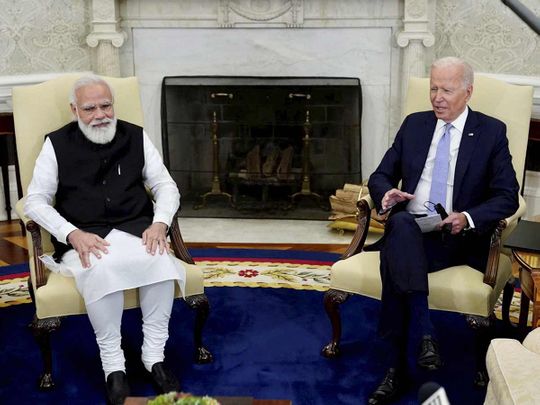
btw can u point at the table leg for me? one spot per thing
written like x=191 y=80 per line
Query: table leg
x=536 y=298
x=523 y=312
x=17 y=171
x=536 y=315
x=7 y=199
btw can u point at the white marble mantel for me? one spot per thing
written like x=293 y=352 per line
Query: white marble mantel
x=272 y=38
x=270 y=52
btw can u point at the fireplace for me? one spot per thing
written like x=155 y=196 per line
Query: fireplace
x=261 y=146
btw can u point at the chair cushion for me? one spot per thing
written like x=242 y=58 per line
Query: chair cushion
x=457 y=289
x=513 y=372
x=60 y=297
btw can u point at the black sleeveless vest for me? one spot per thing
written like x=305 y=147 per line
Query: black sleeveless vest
x=100 y=187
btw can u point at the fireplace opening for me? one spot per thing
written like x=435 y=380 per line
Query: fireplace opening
x=261 y=147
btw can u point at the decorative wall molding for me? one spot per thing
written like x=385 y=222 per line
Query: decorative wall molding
x=245 y=13
x=259 y=14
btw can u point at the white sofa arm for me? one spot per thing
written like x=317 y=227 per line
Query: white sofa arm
x=513 y=373
x=532 y=341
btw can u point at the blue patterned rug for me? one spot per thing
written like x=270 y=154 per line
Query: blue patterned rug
x=266 y=344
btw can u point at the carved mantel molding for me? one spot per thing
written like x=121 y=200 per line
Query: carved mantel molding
x=106 y=36
x=246 y=13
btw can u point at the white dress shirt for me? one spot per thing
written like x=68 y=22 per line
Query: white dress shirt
x=421 y=195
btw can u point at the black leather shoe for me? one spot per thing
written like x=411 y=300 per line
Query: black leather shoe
x=117 y=388
x=389 y=389
x=429 y=357
x=164 y=379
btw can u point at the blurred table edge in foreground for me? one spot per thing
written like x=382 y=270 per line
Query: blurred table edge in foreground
x=222 y=401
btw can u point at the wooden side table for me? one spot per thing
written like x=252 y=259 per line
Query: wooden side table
x=529 y=278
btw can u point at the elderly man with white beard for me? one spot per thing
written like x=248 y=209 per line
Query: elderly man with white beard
x=89 y=191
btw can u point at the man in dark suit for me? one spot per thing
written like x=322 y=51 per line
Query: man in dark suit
x=455 y=157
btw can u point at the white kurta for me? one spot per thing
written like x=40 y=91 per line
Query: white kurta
x=127 y=265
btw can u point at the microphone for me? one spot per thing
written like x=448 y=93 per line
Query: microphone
x=432 y=393
x=524 y=13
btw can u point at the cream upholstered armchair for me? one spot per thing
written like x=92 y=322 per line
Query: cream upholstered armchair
x=459 y=289
x=38 y=110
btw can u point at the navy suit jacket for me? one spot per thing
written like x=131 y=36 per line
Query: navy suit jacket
x=485 y=182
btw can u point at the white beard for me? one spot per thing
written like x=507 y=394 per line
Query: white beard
x=101 y=135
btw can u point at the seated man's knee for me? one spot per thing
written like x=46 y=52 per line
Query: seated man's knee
x=400 y=219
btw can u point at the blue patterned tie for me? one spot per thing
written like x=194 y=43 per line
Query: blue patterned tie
x=439 y=177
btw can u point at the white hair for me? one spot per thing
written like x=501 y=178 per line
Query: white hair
x=87 y=81
x=468 y=72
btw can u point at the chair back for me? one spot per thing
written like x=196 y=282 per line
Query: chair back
x=42 y=108
x=510 y=103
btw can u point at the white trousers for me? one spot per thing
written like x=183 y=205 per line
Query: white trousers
x=105 y=315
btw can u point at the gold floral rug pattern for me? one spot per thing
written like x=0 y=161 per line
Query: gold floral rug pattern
x=298 y=276
x=269 y=273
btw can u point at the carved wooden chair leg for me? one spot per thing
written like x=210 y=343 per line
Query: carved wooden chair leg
x=484 y=328
x=200 y=304
x=332 y=300
x=41 y=329
x=508 y=294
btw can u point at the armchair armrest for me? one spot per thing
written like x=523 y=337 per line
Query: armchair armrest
x=38 y=278
x=19 y=209
x=364 y=206
x=178 y=245
x=492 y=267
x=504 y=227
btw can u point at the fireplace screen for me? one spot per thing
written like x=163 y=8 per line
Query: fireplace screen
x=261 y=147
